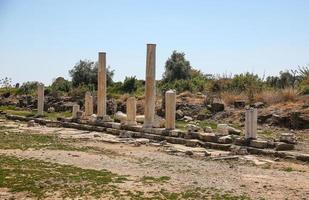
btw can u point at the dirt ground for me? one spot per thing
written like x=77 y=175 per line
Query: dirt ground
x=255 y=177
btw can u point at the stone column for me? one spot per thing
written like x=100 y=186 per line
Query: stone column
x=75 y=110
x=41 y=99
x=131 y=111
x=170 y=109
x=88 y=104
x=150 y=90
x=102 y=84
x=251 y=123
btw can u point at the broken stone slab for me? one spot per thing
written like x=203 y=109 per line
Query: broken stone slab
x=120 y=116
x=208 y=129
x=208 y=137
x=225 y=139
x=288 y=138
x=140 y=119
x=158 y=122
x=262 y=144
x=179 y=114
x=192 y=143
x=192 y=128
x=226 y=158
x=282 y=146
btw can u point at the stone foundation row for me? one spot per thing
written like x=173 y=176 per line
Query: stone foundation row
x=194 y=139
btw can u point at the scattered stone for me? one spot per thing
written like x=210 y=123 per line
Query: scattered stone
x=189 y=153
x=192 y=128
x=239 y=103
x=179 y=114
x=223 y=129
x=225 y=139
x=259 y=144
x=258 y=105
x=233 y=131
x=96 y=135
x=126 y=134
x=158 y=122
x=187 y=119
x=206 y=154
x=208 y=137
x=120 y=116
x=217 y=107
x=227 y=158
x=31 y=123
x=140 y=119
x=282 y=146
x=288 y=138
x=51 y=110
x=208 y=129
x=142 y=140
x=93 y=118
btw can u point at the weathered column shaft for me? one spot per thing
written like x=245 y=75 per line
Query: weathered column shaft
x=150 y=90
x=40 y=99
x=170 y=109
x=251 y=123
x=131 y=111
x=75 y=109
x=101 y=105
x=88 y=104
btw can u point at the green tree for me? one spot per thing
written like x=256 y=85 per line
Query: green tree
x=129 y=84
x=61 y=84
x=85 y=73
x=177 y=68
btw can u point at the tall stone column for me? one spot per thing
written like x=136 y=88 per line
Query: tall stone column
x=251 y=123
x=102 y=84
x=75 y=110
x=150 y=90
x=88 y=104
x=41 y=99
x=131 y=111
x=170 y=109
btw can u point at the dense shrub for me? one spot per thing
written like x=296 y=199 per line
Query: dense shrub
x=85 y=73
x=176 y=68
x=29 y=88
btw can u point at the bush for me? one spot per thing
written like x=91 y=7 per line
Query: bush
x=176 y=68
x=60 y=86
x=129 y=85
x=28 y=88
x=85 y=73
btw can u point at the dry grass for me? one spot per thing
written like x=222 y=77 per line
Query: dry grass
x=277 y=96
x=229 y=97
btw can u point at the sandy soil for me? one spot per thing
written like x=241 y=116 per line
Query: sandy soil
x=256 y=176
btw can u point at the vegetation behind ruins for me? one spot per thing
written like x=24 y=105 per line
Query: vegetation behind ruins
x=178 y=75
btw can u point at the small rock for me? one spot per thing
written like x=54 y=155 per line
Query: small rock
x=281 y=146
x=187 y=119
x=239 y=103
x=179 y=114
x=225 y=139
x=259 y=144
x=189 y=153
x=31 y=123
x=288 y=138
x=217 y=107
x=120 y=116
x=258 y=105
x=223 y=129
x=192 y=128
x=208 y=129
x=51 y=109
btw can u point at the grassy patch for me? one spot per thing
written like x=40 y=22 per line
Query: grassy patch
x=151 y=179
x=181 y=125
x=13 y=110
x=204 y=124
x=38 y=178
x=287 y=169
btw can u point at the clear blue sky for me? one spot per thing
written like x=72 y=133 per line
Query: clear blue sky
x=41 y=40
